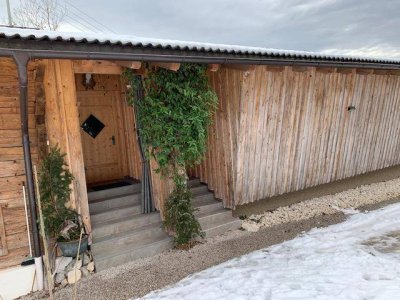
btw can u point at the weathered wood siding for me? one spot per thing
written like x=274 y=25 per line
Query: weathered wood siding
x=63 y=128
x=13 y=230
x=218 y=169
x=295 y=130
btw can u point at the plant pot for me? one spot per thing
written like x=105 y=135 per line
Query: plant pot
x=70 y=249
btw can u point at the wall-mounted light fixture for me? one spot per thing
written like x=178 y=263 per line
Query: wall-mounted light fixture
x=88 y=81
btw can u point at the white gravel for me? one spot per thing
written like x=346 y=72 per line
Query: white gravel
x=345 y=201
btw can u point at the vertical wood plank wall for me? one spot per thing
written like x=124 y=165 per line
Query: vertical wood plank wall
x=219 y=167
x=294 y=130
x=12 y=172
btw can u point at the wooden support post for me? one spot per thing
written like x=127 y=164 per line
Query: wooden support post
x=62 y=123
x=96 y=66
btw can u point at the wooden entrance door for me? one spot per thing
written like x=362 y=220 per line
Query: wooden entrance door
x=103 y=154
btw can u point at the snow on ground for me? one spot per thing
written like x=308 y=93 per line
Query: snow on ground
x=356 y=259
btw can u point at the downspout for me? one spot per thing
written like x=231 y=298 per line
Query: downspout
x=22 y=59
x=147 y=189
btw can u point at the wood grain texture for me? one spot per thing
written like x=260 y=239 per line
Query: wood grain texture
x=63 y=127
x=104 y=159
x=220 y=165
x=96 y=66
x=283 y=129
x=3 y=240
x=13 y=230
x=162 y=188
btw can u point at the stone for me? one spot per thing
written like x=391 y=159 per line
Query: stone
x=90 y=267
x=71 y=265
x=85 y=259
x=85 y=272
x=74 y=276
x=60 y=276
x=64 y=282
x=250 y=226
x=61 y=263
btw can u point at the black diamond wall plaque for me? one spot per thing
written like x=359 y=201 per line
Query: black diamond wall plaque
x=92 y=126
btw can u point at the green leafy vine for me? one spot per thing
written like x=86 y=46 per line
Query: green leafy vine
x=174 y=116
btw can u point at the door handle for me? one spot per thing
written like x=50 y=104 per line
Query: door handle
x=113 y=140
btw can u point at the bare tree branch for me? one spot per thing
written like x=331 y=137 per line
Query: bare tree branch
x=41 y=14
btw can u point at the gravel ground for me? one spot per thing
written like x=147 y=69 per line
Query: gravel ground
x=344 y=201
x=142 y=276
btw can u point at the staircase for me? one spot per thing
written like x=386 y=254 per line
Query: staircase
x=122 y=234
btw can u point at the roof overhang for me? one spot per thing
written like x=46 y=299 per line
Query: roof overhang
x=73 y=49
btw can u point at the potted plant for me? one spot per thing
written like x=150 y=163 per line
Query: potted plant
x=60 y=221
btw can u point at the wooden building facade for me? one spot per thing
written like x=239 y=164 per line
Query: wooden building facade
x=280 y=127
x=284 y=129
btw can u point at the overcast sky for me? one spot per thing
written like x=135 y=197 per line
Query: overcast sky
x=366 y=27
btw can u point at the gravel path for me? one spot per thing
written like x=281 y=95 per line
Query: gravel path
x=345 y=201
x=140 y=277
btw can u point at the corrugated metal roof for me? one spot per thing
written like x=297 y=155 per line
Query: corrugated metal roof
x=139 y=42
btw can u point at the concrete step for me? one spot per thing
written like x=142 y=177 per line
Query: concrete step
x=193 y=182
x=105 y=204
x=207 y=204
x=214 y=218
x=127 y=223
x=139 y=236
x=203 y=197
x=223 y=228
x=129 y=253
x=123 y=190
x=199 y=190
x=115 y=213
x=120 y=235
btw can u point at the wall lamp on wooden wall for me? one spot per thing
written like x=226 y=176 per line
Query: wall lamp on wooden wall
x=351 y=108
x=88 y=81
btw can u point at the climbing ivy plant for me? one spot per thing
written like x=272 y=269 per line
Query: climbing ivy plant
x=174 y=116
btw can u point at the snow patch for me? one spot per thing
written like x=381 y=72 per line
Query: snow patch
x=342 y=261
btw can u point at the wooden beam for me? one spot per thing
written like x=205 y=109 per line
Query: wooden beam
x=382 y=72
x=96 y=66
x=213 y=67
x=240 y=67
x=62 y=124
x=169 y=66
x=364 y=71
x=325 y=70
x=299 y=69
x=346 y=70
x=275 y=69
x=128 y=64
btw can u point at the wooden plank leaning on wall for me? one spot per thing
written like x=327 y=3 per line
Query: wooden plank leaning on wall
x=62 y=122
